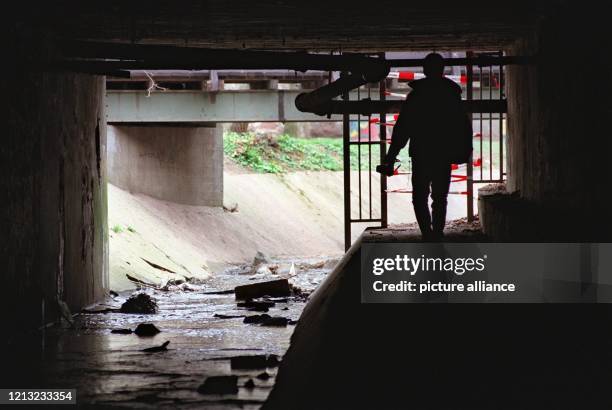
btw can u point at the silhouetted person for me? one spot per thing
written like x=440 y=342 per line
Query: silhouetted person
x=440 y=134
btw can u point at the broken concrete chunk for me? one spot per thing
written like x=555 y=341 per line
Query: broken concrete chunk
x=140 y=303
x=260 y=361
x=122 y=331
x=221 y=316
x=249 y=362
x=219 y=385
x=146 y=329
x=274 y=288
x=249 y=384
x=275 y=321
x=162 y=348
x=256 y=318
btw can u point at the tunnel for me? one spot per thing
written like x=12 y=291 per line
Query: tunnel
x=71 y=127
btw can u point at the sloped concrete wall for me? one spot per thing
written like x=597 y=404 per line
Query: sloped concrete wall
x=53 y=202
x=182 y=164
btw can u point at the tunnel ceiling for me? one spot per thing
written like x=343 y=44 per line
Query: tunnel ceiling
x=267 y=24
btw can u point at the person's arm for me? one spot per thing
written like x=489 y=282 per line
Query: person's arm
x=399 y=139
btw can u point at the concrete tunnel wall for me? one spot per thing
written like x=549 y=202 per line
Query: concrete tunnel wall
x=54 y=205
x=182 y=164
x=559 y=137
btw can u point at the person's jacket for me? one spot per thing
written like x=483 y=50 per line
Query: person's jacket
x=435 y=122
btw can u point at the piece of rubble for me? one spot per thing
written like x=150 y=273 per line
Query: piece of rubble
x=279 y=287
x=221 y=316
x=275 y=321
x=139 y=304
x=162 y=348
x=146 y=329
x=122 y=331
x=219 y=385
x=261 y=361
x=256 y=318
x=249 y=384
x=249 y=362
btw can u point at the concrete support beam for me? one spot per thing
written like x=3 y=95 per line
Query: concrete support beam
x=54 y=207
x=182 y=164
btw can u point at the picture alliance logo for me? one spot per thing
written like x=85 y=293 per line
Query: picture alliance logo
x=412 y=265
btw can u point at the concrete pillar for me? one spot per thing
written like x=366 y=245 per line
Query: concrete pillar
x=53 y=210
x=558 y=131
x=177 y=163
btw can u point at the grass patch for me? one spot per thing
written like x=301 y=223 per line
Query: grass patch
x=117 y=229
x=287 y=153
x=131 y=229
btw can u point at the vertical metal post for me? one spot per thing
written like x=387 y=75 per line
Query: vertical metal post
x=501 y=121
x=470 y=170
x=346 y=156
x=383 y=152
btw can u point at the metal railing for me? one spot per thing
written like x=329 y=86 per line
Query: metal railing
x=365 y=191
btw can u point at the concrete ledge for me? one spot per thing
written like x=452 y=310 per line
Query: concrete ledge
x=348 y=355
x=507 y=217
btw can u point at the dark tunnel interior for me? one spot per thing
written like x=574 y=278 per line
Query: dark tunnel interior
x=59 y=60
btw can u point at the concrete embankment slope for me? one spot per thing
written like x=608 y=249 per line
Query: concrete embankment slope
x=348 y=355
x=289 y=215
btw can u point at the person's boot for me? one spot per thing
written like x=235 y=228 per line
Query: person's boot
x=438 y=215
x=423 y=217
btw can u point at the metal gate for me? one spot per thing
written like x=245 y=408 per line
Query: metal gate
x=366 y=135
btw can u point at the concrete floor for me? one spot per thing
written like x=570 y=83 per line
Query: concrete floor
x=111 y=370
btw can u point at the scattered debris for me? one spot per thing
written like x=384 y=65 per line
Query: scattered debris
x=261 y=361
x=259 y=259
x=275 y=321
x=249 y=362
x=175 y=282
x=113 y=294
x=146 y=329
x=263 y=376
x=220 y=316
x=231 y=207
x=279 y=287
x=162 y=348
x=292 y=271
x=256 y=318
x=256 y=305
x=122 y=331
x=140 y=303
x=219 y=292
x=249 y=384
x=219 y=385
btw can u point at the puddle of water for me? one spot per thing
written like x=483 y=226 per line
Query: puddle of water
x=111 y=369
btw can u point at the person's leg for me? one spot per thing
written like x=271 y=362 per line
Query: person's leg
x=420 y=195
x=440 y=184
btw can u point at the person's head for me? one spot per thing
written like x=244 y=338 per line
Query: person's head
x=433 y=66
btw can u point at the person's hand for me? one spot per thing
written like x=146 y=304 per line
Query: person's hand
x=385 y=169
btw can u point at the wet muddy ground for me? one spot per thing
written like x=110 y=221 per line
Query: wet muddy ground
x=112 y=370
